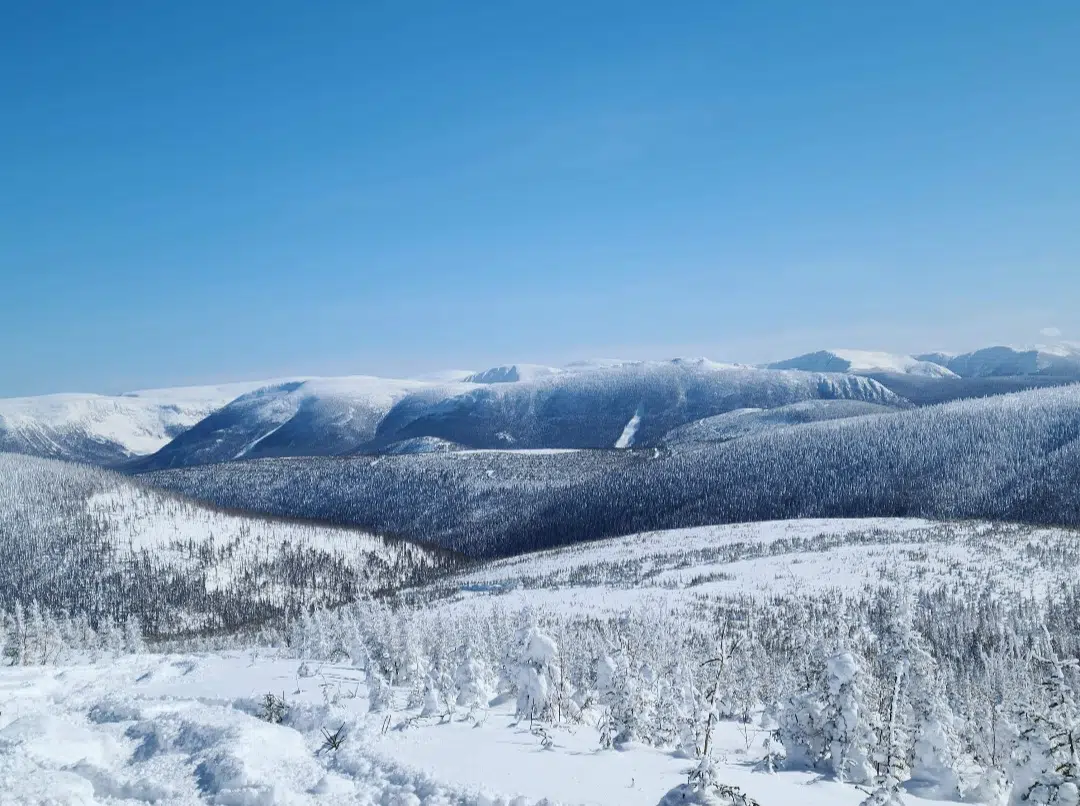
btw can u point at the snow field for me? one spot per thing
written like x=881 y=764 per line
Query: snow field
x=777 y=557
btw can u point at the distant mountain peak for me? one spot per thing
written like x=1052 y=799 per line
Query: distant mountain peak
x=1057 y=360
x=864 y=362
x=512 y=373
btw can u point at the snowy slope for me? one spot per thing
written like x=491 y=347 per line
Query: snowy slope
x=76 y=538
x=864 y=362
x=190 y=728
x=747 y=422
x=595 y=408
x=105 y=429
x=773 y=558
x=316 y=416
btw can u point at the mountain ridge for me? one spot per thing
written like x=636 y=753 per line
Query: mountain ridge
x=584 y=404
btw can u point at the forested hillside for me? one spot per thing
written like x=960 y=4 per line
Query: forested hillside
x=80 y=540
x=1006 y=457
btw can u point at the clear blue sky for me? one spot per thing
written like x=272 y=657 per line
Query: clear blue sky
x=196 y=191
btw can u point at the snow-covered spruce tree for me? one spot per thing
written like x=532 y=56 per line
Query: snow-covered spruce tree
x=112 y=637
x=800 y=719
x=990 y=696
x=353 y=638
x=688 y=712
x=630 y=703
x=380 y=694
x=133 y=638
x=674 y=708
x=413 y=666
x=448 y=692
x=431 y=705
x=473 y=681
x=1046 y=768
x=606 y=684
x=536 y=673
x=918 y=740
x=849 y=724
x=719 y=667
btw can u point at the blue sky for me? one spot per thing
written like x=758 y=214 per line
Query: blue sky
x=196 y=192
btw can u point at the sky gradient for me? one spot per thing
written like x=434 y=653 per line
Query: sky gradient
x=200 y=192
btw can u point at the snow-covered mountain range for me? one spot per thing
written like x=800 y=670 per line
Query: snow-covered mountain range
x=864 y=362
x=605 y=407
x=1061 y=360
x=589 y=404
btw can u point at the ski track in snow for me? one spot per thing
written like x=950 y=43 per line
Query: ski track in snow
x=185 y=730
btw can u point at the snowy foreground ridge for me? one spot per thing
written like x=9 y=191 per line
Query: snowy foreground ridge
x=192 y=729
x=857 y=663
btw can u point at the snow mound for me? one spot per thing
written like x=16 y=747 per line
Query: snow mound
x=193 y=745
